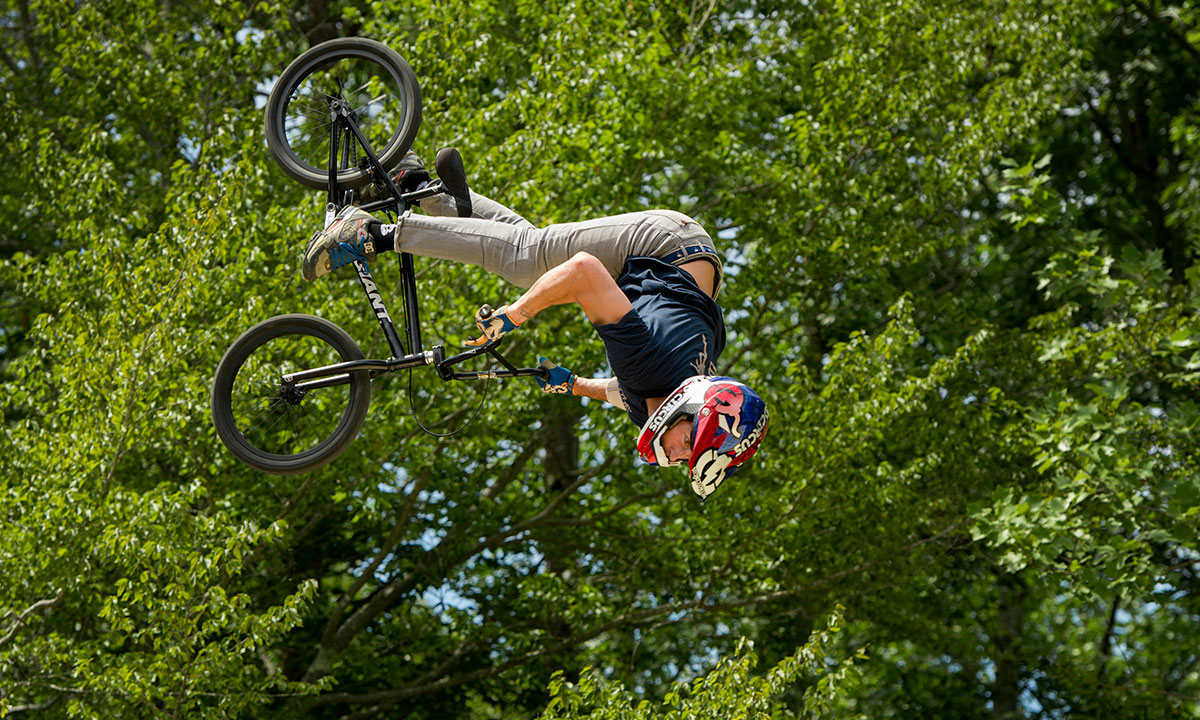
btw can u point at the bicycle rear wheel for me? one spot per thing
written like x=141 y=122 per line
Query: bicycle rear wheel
x=286 y=428
x=372 y=78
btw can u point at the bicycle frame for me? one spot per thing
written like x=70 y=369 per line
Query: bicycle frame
x=343 y=134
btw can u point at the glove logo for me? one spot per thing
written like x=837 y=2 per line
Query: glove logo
x=558 y=380
x=496 y=327
x=492 y=324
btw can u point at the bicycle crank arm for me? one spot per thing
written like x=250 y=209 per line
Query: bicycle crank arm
x=408 y=198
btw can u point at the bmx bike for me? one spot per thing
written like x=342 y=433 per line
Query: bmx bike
x=291 y=393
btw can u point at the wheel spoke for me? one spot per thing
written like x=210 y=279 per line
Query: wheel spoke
x=368 y=86
x=378 y=99
x=252 y=421
x=310 y=106
x=266 y=412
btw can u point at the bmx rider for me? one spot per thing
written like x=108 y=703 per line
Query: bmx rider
x=646 y=280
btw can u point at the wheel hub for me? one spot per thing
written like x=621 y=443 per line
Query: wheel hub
x=291 y=394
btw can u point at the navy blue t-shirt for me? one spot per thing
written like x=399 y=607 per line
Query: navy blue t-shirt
x=674 y=331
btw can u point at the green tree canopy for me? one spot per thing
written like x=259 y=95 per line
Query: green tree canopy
x=960 y=247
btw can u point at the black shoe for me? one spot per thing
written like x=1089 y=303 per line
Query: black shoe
x=449 y=167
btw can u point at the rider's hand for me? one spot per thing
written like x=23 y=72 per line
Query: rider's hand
x=561 y=380
x=493 y=324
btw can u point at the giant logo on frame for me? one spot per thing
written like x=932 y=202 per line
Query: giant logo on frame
x=372 y=293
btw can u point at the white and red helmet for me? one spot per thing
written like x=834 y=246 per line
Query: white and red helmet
x=729 y=420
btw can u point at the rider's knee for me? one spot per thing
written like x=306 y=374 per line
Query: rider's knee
x=589 y=271
x=587 y=265
x=583 y=258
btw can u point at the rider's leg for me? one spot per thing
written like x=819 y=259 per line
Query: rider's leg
x=482 y=207
x=583 y=280
x=526 y=254
x=521 y=253
x=505 y=243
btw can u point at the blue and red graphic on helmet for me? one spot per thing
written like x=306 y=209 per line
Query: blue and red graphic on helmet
x=725 y=422
x=726 y=432
x=723 y=411
x=728 y=422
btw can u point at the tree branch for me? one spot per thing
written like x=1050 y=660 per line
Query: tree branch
x=344 y=602
x=39 y=605
x=384 y=698
x=1107 y=131
x=745 y=189
x=31 y=44
x=1106 y=642
x=10 y=63
x=512 y=471
x=1177 y=37
x=394 y=590
x=38 y=706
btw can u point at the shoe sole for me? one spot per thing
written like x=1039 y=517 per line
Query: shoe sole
x=450 y=170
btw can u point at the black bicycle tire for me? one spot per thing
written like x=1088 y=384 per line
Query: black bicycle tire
x=305 y=64
x=222 y=388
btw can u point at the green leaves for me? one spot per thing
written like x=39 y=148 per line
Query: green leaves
x=981 y=371
x=730 y=690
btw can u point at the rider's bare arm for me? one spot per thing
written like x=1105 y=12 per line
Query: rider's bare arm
x=599 y=389
x=582 y=280
x=589 y=387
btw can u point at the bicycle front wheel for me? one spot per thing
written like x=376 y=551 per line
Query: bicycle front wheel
x=380 y=88
x=282 y=427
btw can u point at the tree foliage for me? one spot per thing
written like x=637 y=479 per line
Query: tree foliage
x=960 y=249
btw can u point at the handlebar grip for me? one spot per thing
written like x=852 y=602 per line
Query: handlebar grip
x=543 y=372
x=485 y=312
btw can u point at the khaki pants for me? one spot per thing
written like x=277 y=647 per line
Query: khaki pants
x=502 y=242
